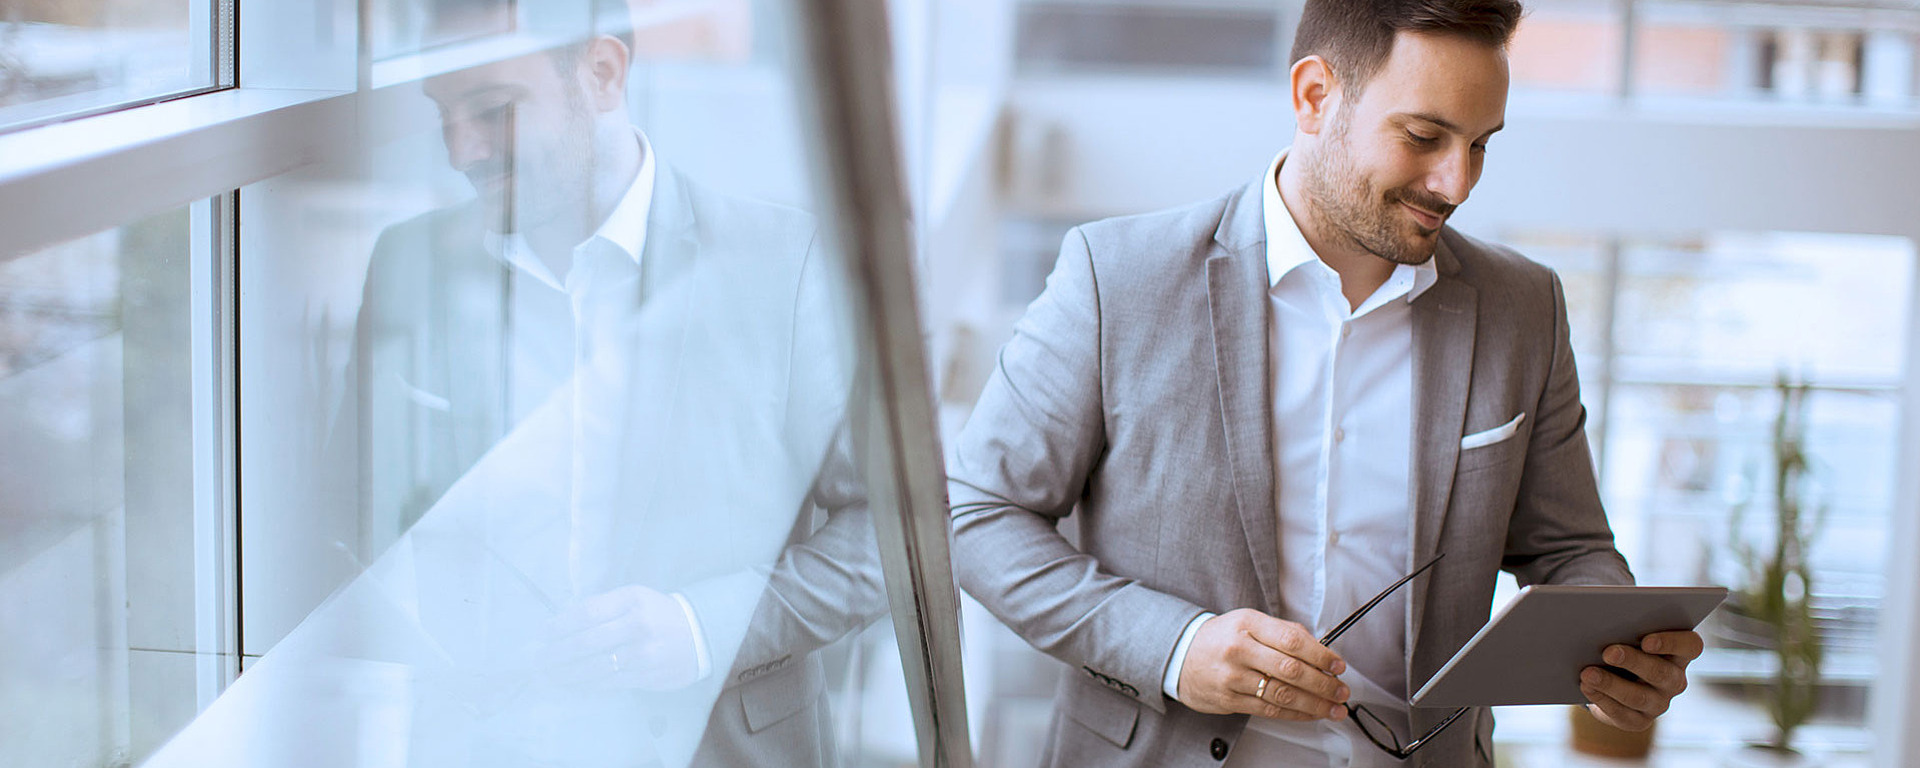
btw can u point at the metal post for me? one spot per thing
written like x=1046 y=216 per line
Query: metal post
x=846 y=55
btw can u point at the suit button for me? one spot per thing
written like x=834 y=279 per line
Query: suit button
x=1219 y=749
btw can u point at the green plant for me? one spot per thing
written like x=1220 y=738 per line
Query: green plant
x=1779 y=590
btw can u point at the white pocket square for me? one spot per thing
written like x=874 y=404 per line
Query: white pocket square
x=1491 y=436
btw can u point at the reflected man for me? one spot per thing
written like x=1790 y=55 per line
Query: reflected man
x=629 y=393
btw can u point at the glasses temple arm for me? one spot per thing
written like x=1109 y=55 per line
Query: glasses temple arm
x=1337 y=631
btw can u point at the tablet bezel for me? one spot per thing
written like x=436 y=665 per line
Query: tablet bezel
x=1542 y=609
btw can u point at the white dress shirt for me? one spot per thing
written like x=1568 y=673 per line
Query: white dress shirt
x=552 y=341
x=1343 y=447
x=540 y=316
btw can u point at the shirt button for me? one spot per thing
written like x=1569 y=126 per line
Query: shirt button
x=1333 y=538
x=1339 y=435
x=1219 y=749
x=1346 y=330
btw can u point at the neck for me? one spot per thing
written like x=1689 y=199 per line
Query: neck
x=1361 y=273
x=619 y=161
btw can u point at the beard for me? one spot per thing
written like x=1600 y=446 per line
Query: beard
x=1347 y=206
x=543 y=179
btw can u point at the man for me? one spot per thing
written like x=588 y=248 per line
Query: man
x=1269 y=406
x=654 y=377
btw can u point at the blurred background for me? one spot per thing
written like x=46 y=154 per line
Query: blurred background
x=1729 y=188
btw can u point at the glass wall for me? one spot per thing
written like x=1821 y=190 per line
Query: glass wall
x=98 y=612
x=64 y=58
x=534 y=418
x=1685 y=346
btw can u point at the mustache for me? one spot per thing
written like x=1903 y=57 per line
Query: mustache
x=1426 y=201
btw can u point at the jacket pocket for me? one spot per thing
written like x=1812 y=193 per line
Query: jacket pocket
x=1107 y=714
x=1497 y=434
x=778 y=696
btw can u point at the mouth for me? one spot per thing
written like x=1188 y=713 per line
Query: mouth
x=1426 y=219
x=489 y=184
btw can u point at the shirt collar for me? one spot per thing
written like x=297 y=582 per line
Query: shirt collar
x=625 y=228
x=1287 y=247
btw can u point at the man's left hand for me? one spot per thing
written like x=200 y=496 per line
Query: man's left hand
x=1661 y=664
x=630 y=637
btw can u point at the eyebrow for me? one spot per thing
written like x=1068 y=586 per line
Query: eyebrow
x=1445 y=124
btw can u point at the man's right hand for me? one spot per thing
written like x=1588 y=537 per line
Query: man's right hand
x=1232 y=652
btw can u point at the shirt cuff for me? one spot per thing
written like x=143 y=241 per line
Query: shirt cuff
x=699 y=636
x=1172 y=685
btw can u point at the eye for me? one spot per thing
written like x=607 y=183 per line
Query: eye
x=1422 y=140
x=1480 y=148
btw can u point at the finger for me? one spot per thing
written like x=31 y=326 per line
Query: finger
x=1280 y=666
x=1293 y=640
x=1667 y=677
x=1638 y=697
x=1294 y=699
x=1618 y=714
x=1248 y=705
x=1679 y=646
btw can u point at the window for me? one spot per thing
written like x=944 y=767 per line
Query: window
x=1681 y=356
x=1568 y=46
x=101 y=657
x=1230 y=38
x=1814 y=54
x=378 y=472
x=59 y=59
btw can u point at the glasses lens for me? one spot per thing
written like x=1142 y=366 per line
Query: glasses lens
x=1376 y=729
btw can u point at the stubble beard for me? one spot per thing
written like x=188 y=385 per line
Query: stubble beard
x=1347 y=207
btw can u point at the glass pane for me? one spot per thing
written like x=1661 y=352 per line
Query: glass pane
x=59 y=58
x=1745 y=307
x=1568 y=46
x=398 y=27
x=98 y=650
x=1690 y=481
x=554 y=433
x=1223 y=38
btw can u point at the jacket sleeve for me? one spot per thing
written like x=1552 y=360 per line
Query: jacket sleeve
x=826 y=583
x=1021 y=465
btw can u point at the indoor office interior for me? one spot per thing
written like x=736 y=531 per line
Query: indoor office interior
x=320 y=447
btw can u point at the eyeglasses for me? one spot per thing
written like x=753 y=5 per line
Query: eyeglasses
x=1367 y=721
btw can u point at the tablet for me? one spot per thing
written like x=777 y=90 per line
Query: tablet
x=1532 y=652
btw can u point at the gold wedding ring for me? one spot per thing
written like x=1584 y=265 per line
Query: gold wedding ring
x=1261 y=692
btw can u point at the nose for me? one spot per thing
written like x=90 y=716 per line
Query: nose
x=469 y=141
x=1454 y=175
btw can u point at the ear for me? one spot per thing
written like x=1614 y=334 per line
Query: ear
x=1314 y=92
x=605 y=78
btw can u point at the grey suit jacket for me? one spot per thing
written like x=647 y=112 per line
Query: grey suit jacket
x=1135 y=393
x=741 y=484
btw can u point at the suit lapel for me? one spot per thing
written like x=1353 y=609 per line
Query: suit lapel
x=1443 y=335
x=1237 y=299
x=660 y=329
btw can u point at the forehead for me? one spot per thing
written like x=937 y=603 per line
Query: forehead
x=1460 y=80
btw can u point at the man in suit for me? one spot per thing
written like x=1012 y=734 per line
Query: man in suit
x=1268 y=406
x=654 y=377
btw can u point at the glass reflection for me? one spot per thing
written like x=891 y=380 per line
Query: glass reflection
x=98 y=657
x=601 y=412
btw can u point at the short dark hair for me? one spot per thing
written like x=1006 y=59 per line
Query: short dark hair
x=1356 y=36
x=610 y=17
